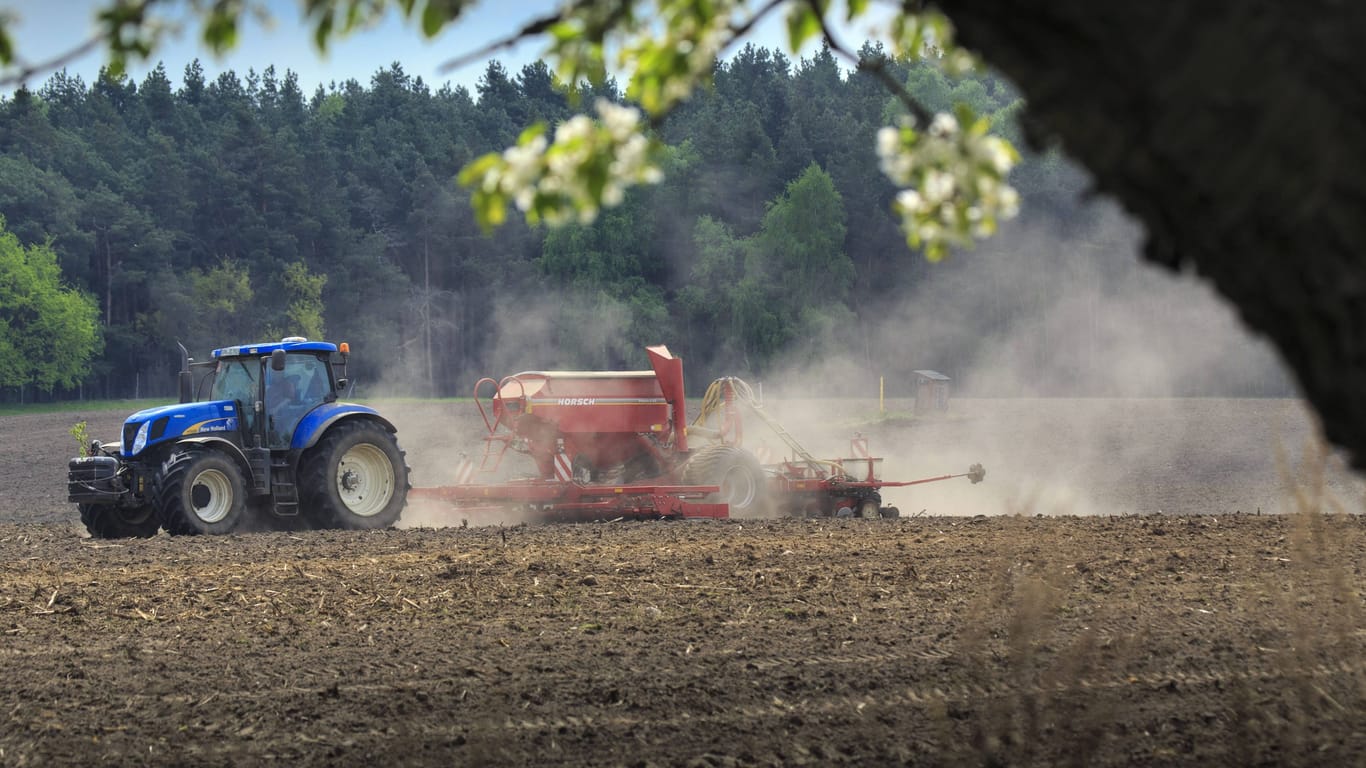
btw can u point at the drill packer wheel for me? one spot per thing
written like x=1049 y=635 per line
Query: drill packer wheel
x=738 y=473
x=976 y=473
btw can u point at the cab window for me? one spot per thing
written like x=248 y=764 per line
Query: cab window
x=291 y=394
x=236 y=380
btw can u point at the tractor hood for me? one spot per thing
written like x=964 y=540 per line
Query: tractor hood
x=154 y=426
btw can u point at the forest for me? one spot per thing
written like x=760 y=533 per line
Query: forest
x=242 y=209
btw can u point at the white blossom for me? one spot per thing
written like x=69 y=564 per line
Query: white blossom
x=938 y=186
x=621 y=122
x=952 y=179
x=944 y=126
x=574 y=129
x=997 y=154
x=548 y=180
x=1010 y=202
x=888 y=141
x=910 y=200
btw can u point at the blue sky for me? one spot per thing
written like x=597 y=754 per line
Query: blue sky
x=45 y=27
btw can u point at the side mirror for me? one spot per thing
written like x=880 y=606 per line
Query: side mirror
x=277 y=360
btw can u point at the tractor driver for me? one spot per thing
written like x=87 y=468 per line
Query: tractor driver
x=281 y=392
x=283 y=408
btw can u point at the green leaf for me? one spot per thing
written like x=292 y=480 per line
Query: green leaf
x=118 y=64
x=474 y=173
x=530 y=133
x=323 y=32
x=220 y=28
x=433 y=19
x=563 y=31
x=490 y=210
x=802 y=25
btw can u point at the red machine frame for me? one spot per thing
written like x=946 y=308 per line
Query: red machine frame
x=614 y=445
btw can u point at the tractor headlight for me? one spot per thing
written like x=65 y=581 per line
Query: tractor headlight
x=140 y=441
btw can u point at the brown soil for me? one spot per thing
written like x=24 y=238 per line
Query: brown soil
x=1219 y=638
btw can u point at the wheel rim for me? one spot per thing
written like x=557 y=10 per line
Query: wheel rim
x=738 y=488
x=211 y=496
x=365 y=480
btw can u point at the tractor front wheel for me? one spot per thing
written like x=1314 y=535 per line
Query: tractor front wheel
x=743 y=484
x=200 y=491
x=107 y=521
x=354 y=478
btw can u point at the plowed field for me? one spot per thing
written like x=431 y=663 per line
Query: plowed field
x=974 y=633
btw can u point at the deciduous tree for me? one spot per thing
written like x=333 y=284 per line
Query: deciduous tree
x=48 y=331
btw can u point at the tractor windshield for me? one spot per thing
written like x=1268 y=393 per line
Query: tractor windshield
x=236 y=380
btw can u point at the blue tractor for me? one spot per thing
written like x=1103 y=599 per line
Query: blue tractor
x=271 y=447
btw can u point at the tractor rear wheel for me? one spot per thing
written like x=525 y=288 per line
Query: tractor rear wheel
x=354 y=478
x=200 y=491
x=743 y=484
x=107 y=521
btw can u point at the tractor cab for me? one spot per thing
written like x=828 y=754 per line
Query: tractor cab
x=275 y=386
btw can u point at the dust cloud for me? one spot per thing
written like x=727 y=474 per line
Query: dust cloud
x=1085 y=380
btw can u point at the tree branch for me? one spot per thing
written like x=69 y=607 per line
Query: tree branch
x=743 y=29
x=534 y=27
x=22 y=75
x=875 y=67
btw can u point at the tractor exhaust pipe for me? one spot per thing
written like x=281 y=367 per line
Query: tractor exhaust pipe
x=185 y=380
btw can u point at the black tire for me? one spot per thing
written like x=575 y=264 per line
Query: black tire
x=108 y=521
x=743 y=483
x=354 y=478
x=200 y=491
x=869 y=509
